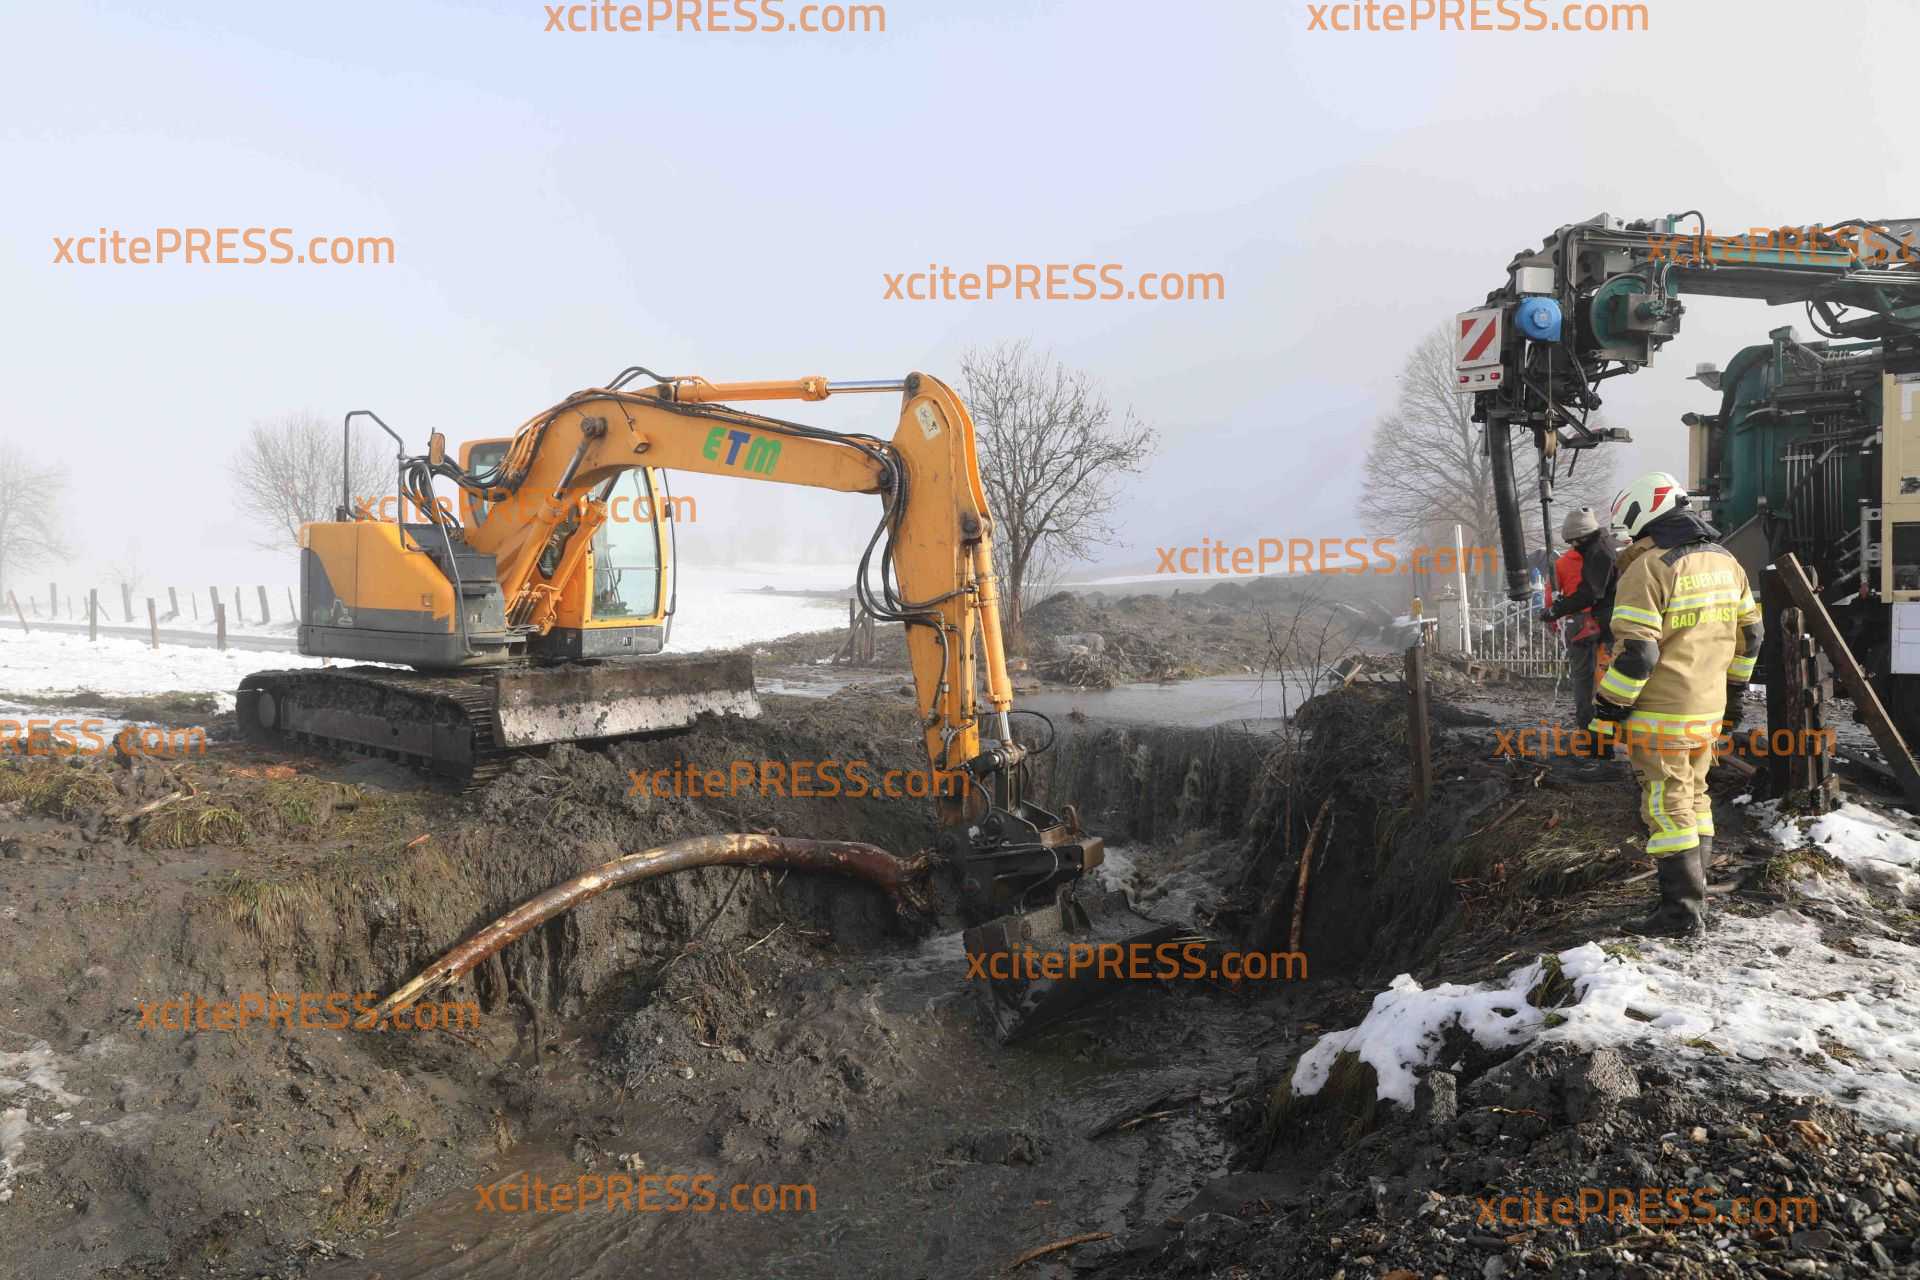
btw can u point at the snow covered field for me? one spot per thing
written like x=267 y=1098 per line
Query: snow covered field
x=1838 y=1021
x=718 y=608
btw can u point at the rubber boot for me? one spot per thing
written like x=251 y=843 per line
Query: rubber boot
x=1683 y=899
x=1703 y=864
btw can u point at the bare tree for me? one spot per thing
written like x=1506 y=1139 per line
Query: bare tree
x=1052 y=451
x=31 y=496
x=126 y=572
x=1427 y=467
x=288 y=473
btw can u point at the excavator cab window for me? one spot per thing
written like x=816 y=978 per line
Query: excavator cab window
x=479 y=455
x=626 y=551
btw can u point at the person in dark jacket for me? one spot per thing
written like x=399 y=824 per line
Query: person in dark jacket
x=1584 y=576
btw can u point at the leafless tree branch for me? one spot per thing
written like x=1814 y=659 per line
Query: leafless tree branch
x=32 y=495
x=1052 y=451
x=287 y=473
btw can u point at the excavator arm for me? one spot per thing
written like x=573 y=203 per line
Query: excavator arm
x=934 y=540
x=1599 y=298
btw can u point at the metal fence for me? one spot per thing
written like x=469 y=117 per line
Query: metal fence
x=1508 y=634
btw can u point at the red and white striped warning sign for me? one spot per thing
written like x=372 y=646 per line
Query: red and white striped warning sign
x=1476 y=350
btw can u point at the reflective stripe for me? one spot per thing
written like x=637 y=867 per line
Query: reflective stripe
x=1741 y=668
x=1628 y=613
x=1657 y=815
x=1673 y=844
x=1700 y=599
x=1706 y=719
x=1703 y=825
x=1625 y=688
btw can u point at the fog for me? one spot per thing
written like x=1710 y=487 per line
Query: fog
x=564 y=205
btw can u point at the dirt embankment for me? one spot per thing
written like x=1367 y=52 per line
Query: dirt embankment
x=797 y=1030
x=1090 y=639
x=136 y=1150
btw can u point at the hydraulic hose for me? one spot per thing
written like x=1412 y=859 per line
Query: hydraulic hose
x=1506 y=502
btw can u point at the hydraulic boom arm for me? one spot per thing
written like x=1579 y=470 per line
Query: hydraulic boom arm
x=1600 y=297
x=934 y=541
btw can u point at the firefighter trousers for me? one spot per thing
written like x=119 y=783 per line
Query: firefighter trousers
x=1672 y=768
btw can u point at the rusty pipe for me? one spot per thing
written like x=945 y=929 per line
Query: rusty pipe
x=862 y=861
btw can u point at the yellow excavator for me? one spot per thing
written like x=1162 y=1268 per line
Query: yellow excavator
x=530 y=619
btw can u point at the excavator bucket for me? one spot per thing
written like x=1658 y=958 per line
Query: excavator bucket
x=1043 y=966
x=1039 y=965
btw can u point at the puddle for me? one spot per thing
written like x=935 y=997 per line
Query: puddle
x=1260 y=702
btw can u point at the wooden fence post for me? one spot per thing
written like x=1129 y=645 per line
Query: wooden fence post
x=126 y=601
x=23 y=617
x=93 y=613
x=173 y=603
x=153 y=623
x=265 y=616
x=1419 y=730
x=219 y=625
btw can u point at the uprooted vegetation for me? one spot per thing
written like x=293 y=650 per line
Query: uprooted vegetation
x=190 y=805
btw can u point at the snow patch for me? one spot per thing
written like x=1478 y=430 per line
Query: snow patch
x=1403 y=1029
x=1841 y=1023
x=34 y=1068
x=1878 y=848
x=31 y=1074
x=13 y=1143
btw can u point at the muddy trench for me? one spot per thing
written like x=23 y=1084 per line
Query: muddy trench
x=741 y=1026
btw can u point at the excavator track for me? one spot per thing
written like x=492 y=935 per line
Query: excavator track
x=442 y=724
x=467 y=726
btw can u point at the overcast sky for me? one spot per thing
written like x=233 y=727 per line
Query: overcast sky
x=727 y=204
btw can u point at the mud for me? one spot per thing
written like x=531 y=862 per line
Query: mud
x=749 y=1026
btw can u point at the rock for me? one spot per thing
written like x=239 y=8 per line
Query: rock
x=1086 y=642
x=1597 y=1085
x=1212 y=1231
x=1812 y=1240
x=1436 y=1100
x=1008 y=1147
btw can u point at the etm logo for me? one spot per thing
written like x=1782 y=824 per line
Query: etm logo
x=762 y=452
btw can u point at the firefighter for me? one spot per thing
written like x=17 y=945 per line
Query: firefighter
x=1583 y=573
x=1687 y=632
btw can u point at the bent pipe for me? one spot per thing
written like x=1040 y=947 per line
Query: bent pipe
x=861 y=861
x=1506 y=502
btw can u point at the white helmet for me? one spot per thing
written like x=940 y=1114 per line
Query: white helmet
x=1653 y=495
